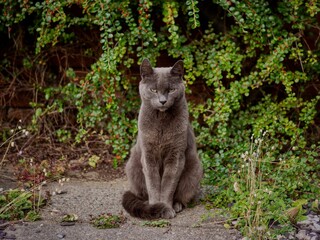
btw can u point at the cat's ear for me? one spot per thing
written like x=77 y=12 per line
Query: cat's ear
x=146 y=68
x=177 y=68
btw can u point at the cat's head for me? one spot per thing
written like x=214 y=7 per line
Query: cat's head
x=161 y=87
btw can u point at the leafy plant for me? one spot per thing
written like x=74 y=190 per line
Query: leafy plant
x=158 y=223
x=108 y=221
x=17 y=204
x=260 y=192
x=296 y=213
x=93 y=161
x=315 y=206
x=70 y=218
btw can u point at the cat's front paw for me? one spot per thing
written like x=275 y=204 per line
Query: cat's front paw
x=168 y=212
x=177 y=206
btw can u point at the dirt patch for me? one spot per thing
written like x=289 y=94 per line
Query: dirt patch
x=38 y=158
x=104 y=173
x=7 y=178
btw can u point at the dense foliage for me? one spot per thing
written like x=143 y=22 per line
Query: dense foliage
x=252 y=73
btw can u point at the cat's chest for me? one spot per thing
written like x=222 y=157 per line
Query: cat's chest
x=162 y=131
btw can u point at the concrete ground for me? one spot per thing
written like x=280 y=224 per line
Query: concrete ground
x=87 y=199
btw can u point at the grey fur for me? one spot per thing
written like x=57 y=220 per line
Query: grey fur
x=164 y=170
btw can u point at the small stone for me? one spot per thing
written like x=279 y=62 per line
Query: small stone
x=305 y=222
x=3 y=226
x=289 y=235
x=281 y=237
x=302 y=235
x=61 y=235
x=314 y=218
x=11 y=228
x=316 y=226
x=91 y=175
x=234 y=223
x=10 y=237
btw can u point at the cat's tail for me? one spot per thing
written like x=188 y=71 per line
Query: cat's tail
x=139 y=208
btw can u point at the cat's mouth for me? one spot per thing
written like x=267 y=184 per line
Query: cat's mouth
x=162 y=109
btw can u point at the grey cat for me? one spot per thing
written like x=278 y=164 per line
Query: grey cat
x=164 y=170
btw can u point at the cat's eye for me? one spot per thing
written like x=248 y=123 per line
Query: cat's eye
x=171 y=90
x=153 y=90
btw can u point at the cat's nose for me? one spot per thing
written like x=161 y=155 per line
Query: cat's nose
x=163 y=101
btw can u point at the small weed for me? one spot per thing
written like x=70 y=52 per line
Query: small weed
x=32 y=216
x=159 y=223
x=70 y=218
x=192 y=204
x=16 y=204
x=296 y=213
x=58 y=189
x=19 y=204
x=213 y=214
x=16 y=133
x=315 y=206
x=93 y=161
x=108 y=220
x=196 y=225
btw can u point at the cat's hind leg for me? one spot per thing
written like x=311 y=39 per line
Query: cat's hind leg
x=187 y=190
x=189 y=184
